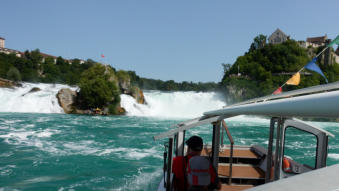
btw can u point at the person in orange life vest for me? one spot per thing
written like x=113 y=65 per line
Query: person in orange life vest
x=195 y=146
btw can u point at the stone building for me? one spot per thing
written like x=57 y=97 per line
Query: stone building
x=2 y=42
x=316 y=41
x=277 y=37
x=7 y=50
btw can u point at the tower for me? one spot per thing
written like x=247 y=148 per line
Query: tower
x=2 y=42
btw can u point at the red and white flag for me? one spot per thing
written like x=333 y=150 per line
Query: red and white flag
x=102 y=56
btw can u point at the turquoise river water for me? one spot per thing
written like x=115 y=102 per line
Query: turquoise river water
x=74 y=152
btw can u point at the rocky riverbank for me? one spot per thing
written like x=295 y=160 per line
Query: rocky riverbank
x=9 y=84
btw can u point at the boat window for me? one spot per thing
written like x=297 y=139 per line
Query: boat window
x=300 y=149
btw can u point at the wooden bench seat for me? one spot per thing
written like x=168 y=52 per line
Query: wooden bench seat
x=237 y=153
x=241 y=171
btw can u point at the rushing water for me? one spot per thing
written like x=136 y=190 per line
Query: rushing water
x=55 y=151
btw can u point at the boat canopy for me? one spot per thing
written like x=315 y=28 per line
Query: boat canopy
x=317 y=101
x=324 y=104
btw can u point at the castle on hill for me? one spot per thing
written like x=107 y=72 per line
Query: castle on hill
x=279 y=36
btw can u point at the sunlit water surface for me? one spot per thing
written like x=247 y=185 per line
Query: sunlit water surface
x=74 y=152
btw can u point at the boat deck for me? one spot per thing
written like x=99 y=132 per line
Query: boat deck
x=238 y=152
x=245 y=171
x=241 y=171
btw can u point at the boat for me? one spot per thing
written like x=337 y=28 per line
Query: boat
x=254 y=167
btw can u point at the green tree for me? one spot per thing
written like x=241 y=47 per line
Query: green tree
x=258 y=42
x=263 y=66
x=34 y=58
x=98 y=88
x=13 y=74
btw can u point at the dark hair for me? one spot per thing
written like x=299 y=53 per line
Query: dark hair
x=195 y=143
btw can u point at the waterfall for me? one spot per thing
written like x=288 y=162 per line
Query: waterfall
x=173 y=104
x=159 y=104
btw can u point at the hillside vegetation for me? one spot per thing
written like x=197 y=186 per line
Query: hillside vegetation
x=262 y=69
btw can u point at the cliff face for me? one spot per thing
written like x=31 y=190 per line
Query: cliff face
x=234 y=94
x=139 y=96
x=127 y=88
x=137 y=93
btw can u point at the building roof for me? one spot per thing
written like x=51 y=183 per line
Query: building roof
x=317 y=40
x=278 y=31
x=47 y=55
x=2 y=38
x=277 y=36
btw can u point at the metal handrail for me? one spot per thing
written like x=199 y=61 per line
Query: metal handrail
x=230 y=138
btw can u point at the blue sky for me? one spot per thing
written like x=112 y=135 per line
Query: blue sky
x=168 y=40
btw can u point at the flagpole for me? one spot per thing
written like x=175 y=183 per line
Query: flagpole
x=335 y=41
x=321 y=52
x=304 y=67
x=292 y=76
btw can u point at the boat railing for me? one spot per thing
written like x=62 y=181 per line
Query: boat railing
x=230 y=138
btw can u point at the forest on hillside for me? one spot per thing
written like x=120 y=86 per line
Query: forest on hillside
x=264 y=67
x=33 y=67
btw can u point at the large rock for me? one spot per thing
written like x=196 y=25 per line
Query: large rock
x=8 y=83
x=66 y=99
x=35 y=89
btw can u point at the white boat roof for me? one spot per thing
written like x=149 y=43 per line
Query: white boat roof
x=322 y=179
x=324 y=104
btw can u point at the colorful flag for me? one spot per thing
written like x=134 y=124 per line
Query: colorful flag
x=277 y=91
x=294 y=80
x=335 y=41
x=314 y=67
x=102 y=56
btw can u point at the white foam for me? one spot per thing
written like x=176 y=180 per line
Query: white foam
x=19 y=136
x=44 y=134
x=142 y=153
x=23 y=135
x=6 y=170
x=173 y=104
x=110 y=151
x=333 y=156
x=38 y=139
x=130 y=153
x=43 y=101
x=82 y=147
x=141 y=181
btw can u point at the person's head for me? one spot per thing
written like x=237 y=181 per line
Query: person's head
x=195 y=144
